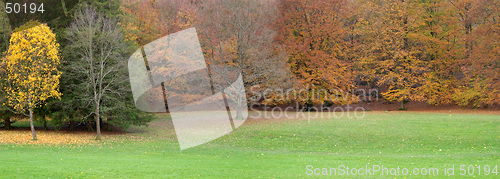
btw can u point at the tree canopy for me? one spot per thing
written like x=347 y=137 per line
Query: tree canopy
x=32 y=69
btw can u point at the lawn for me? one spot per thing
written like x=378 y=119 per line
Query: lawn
x=272 y=149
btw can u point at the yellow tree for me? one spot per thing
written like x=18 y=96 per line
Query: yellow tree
x=436 y=34
x=393 y=56
x=317 y=43
x=479 y=24
x=31 y=67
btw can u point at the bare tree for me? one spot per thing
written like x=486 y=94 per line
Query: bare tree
x=96 y=42
x=238 y=36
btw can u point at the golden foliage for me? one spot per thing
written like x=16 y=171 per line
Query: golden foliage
x=31 y=67
x=318 y=55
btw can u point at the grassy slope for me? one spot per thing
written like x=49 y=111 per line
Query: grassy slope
x=273 y=149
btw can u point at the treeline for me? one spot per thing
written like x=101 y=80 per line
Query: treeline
x=434 y=51
x=437 y=51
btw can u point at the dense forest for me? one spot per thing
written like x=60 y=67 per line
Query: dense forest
x=433 y=51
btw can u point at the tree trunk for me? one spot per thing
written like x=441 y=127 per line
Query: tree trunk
x=71 y=125
x=31 y=124
x=7 y=123
x=45 y=123
x=98 y=123
x=31 y=119
x=468 y=43
x=238 y=112
x=402 y=105
x=90 y=128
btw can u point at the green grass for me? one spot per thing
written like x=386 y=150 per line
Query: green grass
x=274 y=149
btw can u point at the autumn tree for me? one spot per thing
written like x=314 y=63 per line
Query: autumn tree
x=393 y=56
x=435 y=34
x=5 y=112
x=317 y=43
x=32 y=69
x=238 y=36
x=148 y=20
x=479 y=25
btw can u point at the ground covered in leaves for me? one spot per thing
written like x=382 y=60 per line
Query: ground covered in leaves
x=52 y=137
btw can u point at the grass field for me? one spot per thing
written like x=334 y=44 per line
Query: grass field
x=272 y=149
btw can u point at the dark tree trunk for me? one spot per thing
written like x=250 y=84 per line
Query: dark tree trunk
x=7 y=123
x=89 y=125
x=45 y=124
x=71 y=125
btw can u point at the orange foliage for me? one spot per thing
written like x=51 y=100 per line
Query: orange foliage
x=315 y=39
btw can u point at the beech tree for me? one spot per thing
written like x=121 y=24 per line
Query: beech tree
x=393 y=56
x=148 y=20
x=479 y=23
x=239 y=36
x=32 y=69
x=435 y=33
x=315 y=40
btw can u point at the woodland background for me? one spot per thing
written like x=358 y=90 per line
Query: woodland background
x=433 y=51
